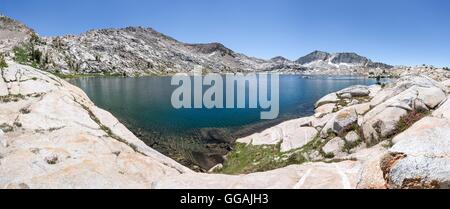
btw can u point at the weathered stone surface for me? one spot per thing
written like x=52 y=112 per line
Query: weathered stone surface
x=382 y=125
x=334 y=146
x=294 y=137
x=352 y=136
x=446 y=83
x=321 y=122
x=330 y=98
x=57 y=138
x=431 y=96
x=57 y=141
x=3 y=88
x=275 y=135
x=371 y=174
x=270 y=136
x=361 y=109
x=426 y=155
x=3 y=141
x=355 y=91
x=343 y=175
x=374 y=89
x=342 y=119
x=324 y=110
x=443 y=111
x=401 y=85
x=417 y=93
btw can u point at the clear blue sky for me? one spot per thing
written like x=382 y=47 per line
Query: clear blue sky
x=406 y=32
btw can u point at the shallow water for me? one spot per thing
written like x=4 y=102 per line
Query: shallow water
x=144 y=105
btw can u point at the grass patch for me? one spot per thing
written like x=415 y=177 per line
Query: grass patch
x=24 y=111
x=342 y=102
x=27 y=54
x=246 y=159
x=3 y=63
x=6 y=128
x=250 y=158
x=348 y=146
x=11 y=98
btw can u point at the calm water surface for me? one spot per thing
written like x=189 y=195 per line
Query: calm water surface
x=144 y=105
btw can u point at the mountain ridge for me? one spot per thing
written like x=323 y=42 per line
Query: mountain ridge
x=352 y=58
x=137 y=50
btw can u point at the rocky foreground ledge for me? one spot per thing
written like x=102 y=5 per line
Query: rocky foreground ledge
x=396 y=136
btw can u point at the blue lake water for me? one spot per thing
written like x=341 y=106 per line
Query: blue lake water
x=144 y=105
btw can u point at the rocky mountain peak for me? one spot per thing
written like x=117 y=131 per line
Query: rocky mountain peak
x=9 y=24
x=280 y=59
x=210 y=48
x=349 y=58
x=140 y=50
x=12 y=32
x=314 y=56
x=325 y=60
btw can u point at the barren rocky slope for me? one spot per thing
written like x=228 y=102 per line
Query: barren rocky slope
x=12 y=33
x=53 y=136
x=134 y=51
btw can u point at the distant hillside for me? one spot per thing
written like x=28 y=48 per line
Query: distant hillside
x=348 y=59
x=138 y=51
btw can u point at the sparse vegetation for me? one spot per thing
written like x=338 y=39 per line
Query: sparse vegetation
x=17 y=124
x=342 y=102
x=27 y=54
x=348 y=146
x=11 y=98
x=408 y=120
x=24 y=111
x=6 y=128
x=3 y=63
x=251 y=158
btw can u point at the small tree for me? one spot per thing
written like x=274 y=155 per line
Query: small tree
x=3 y=63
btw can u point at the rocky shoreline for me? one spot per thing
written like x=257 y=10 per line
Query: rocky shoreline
x=53 y=136
x=212 y=144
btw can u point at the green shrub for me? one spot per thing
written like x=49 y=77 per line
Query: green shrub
x=28 y=55
x=408 y=120
x=3 y=63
